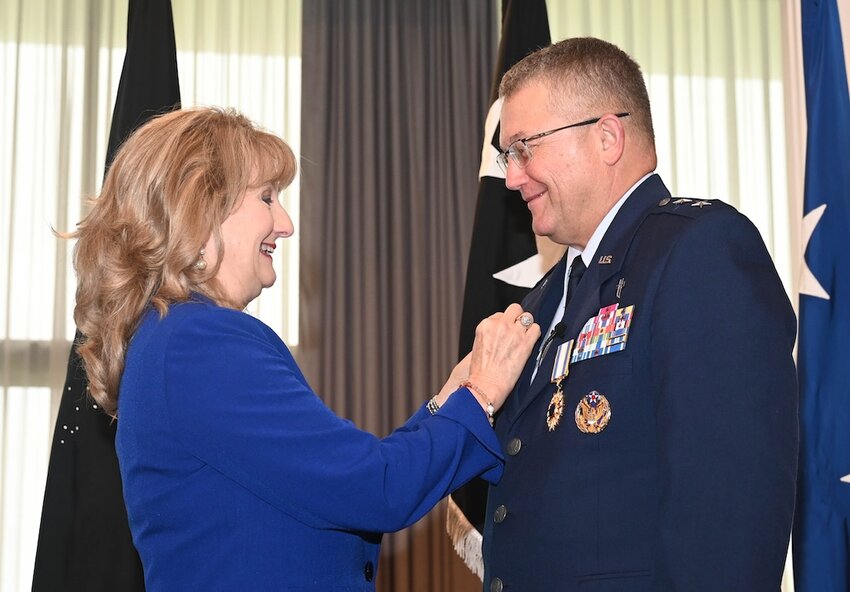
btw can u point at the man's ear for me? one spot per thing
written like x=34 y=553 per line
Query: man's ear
x=613 y=138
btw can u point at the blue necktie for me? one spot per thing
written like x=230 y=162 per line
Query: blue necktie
x=577 y=269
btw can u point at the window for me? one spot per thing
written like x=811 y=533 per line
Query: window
x=61 y=62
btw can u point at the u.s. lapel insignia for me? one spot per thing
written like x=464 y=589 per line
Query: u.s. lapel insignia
x=605 y=259
x=593 y=413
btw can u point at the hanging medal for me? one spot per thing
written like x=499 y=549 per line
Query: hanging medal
x=559 y=372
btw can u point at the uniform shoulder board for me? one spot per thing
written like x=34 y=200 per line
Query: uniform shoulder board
x=690 y=207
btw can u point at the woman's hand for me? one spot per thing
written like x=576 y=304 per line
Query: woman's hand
x=502 y=345
x=458 y=375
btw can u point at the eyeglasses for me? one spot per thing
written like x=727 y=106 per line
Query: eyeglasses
x=520 y=152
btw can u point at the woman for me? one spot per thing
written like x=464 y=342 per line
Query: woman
x=236 y=476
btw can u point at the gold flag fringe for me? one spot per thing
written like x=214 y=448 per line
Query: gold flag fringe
x=465 y=538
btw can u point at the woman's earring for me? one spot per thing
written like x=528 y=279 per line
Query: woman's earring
x=201 y=264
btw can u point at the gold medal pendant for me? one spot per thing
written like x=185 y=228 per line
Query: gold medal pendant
x=593 y=413
x=555 y=409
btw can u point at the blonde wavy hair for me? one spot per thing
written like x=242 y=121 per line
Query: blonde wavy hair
x=172 y=184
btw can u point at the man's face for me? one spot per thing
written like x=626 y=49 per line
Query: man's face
x=558 y=182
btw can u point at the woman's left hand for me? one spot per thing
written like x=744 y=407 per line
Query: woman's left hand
x=458 y=375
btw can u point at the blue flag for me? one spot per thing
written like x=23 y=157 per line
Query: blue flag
x=821 y=530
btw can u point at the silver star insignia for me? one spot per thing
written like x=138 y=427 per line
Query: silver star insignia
x=700 y=204
x=681 y=200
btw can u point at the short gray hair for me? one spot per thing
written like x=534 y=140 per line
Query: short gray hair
x=589 y=75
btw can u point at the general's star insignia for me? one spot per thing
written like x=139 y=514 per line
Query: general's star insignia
x=699 y=204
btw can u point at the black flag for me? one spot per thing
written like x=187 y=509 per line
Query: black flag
x=503 y=255
x=84 y=541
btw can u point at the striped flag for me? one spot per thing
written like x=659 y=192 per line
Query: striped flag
x=821 y=544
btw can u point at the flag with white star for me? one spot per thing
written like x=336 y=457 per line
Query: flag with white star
x=821 y=542
x=503 y=263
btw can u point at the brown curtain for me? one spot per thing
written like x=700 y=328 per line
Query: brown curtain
x=395 y=93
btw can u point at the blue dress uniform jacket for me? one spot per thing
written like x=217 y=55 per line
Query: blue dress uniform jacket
x=690 y=486
x=237 y=477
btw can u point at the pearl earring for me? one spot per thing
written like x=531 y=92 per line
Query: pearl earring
x=201 y=264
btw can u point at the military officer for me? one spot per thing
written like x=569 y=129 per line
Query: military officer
x=652 y=438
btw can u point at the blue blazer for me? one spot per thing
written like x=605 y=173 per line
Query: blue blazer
x=237 y=477
x=691 y=485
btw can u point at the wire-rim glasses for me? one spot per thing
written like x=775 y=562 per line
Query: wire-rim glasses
x=520 y=152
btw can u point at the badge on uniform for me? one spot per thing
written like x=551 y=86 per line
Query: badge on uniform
x=559 y=372
x=605 y=333
x=593 y=413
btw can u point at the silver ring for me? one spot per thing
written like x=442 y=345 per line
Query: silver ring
x=525 y=319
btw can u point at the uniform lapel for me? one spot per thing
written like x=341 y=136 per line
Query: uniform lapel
x=611 y=253
x=585 y=303
x=542 y=303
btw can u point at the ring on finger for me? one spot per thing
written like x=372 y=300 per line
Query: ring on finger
x=525 y=319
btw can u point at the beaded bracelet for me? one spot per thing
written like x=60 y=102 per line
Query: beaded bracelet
x=432 y=405
x=491 y=410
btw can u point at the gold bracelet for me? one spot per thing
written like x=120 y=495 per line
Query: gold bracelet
x=491 y=410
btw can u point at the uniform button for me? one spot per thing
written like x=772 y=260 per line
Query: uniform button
x=499 y=514
x=514 y=446
x=496 y=585
x=369 y=571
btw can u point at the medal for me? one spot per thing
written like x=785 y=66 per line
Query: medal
x=560 y=370
x=555 y=409
x=561 y=367
x=593 y=413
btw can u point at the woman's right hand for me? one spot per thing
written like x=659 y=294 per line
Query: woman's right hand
x=501 y=349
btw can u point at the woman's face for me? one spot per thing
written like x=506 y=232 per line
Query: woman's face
x=249 y=235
